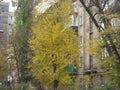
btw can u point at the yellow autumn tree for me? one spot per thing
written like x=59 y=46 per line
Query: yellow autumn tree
x=3 y=67
x=55 y=45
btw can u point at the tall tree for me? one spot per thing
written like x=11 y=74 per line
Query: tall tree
x=55 y=45
x=23 y=23
x=3 y=67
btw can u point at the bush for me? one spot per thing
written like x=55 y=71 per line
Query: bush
x=4 y=87
x=105 y=88
x=22 y=86
x=100 y=88
x=68 y=87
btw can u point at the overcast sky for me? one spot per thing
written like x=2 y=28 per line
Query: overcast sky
x=11 y=9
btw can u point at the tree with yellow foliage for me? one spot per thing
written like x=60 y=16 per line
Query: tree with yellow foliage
x=3 y=67
x=55 y=45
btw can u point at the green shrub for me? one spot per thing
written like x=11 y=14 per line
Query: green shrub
x=22 y=86
x=100 y=88
x=4 y=87
x=105 y=88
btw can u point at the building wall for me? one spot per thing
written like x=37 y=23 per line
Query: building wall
x=12 y=76
x=89 y=67
x=4 y=7
x=6 y=27
x=90 y=71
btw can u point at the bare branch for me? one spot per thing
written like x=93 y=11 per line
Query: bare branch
x=104 y=4
x=92 y=17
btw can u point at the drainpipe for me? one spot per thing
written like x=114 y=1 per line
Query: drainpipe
x=83 y=47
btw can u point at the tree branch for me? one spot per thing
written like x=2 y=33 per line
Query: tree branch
x=106 y=23
x=92 y=17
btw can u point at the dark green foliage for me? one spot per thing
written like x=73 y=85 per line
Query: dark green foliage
x=4 y=87
x=23 y=17
x=22 y=86
x=105 y=88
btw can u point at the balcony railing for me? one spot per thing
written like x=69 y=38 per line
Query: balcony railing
x=90 y=69
x=71 y=70
x=74 y=28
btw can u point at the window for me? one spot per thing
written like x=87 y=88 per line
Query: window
x=105 y=53
x=75 y=20
x=90 y=61
x=0 y=45
x=91 y=39
x=91 y=35
x=81 y=61
x=11 y=17
x=91 y=24
x=1 y=34
x=80 y=39
x=81 y=20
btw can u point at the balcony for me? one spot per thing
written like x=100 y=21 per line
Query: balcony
x=71 y=70
x=74 y=23
x=75 y=29
x=1 y=31
x=90 y=69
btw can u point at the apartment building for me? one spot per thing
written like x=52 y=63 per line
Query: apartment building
x=6 y=49
x=4 y=8
x=90 y=73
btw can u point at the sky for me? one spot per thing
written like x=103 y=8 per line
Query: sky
x=11 y=9
x=44 y=5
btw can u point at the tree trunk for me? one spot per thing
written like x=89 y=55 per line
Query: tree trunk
x=55 y=81
x=55 y=84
